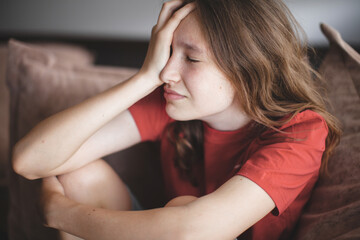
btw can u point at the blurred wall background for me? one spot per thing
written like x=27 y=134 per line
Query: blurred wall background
x=133 y=19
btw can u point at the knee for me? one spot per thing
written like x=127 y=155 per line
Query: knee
x=96 y=184
x=84 y=178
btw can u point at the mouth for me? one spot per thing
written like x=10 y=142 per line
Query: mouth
x=172 y=95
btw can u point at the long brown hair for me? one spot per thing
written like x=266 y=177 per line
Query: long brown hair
x=257 y=44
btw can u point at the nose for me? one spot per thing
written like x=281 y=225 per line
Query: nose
x=170 y=73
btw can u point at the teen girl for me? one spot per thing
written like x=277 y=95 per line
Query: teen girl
x=228 y=91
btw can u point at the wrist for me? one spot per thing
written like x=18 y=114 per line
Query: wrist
x=147 y=80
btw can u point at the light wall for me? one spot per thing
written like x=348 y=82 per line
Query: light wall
x=133 y=19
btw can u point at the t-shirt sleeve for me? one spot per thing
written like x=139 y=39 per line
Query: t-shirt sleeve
x=285 y=167
x=150 y=115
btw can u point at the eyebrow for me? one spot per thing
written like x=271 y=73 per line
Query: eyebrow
x=191 y=47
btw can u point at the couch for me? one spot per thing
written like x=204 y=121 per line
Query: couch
x=44 y=79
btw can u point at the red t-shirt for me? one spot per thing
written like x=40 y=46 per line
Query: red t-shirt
x=286 y=169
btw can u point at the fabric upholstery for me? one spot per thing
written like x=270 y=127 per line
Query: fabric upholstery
x=42 y=82
x=4 y=115
x=333 y=211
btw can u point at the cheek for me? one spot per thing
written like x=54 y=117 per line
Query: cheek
x=194 y=80
x=220 y=95
x=209 y=87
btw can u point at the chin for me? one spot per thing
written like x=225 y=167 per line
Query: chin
x=178 y=115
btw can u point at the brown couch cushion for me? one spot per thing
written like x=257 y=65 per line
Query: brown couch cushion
x=67 y=54
x=43 y=82
x=333 y=211
x=4 y=115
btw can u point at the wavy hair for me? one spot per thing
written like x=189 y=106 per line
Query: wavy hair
x=257 y=44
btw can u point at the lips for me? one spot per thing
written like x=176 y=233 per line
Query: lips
x=172 y=95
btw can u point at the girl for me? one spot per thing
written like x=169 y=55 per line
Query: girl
x=243 y=130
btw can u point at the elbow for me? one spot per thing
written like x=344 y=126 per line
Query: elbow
x=20 y=164
x=19 y=169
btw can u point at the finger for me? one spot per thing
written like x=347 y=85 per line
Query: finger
x=177 y=17
x=168 y=8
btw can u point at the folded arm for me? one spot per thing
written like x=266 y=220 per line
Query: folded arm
x=223 y=214
x=82 y=133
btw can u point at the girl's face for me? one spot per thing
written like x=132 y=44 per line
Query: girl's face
x=195 y=88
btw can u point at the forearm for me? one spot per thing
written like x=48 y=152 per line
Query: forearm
x=52 y=142
x=95 y=223
x=223 y=214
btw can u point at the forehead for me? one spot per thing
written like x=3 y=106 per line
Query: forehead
x=189 y=34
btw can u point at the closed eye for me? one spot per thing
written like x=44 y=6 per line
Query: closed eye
x=191 y=60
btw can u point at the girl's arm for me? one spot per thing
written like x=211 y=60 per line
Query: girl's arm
x=56 y=139
x=85 y=132
x=223 y=214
